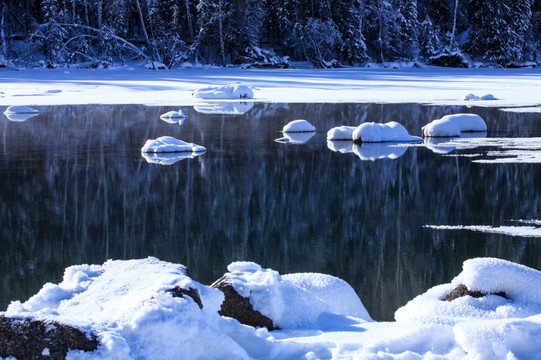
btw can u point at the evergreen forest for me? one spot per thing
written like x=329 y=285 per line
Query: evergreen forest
x=267 y=33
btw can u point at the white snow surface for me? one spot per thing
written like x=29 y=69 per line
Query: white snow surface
x=230 y=91
x=133 y=84
x=341 y=133
x=128 y=305
x=372 y=132
x=524 y=231
x=169 y=144
x=299 y=125
x=454 y=125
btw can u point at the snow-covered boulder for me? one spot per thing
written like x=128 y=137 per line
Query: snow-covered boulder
x=389 y=132
x=341 y=133
x=231 y=91
x=470 y=97
x=298 y=126
x=295 y=300
x=454 y=125
x=169 y=144
x=138 y=309
x=20 y=109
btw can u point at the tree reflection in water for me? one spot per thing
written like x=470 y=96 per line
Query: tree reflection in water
x=75 y=189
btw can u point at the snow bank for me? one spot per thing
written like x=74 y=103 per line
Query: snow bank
x=168 y=144
x=232 y=91
x=341 y=133
x=20 y=109
x=296 y=300
x=298 y=126
x=454 y=125
x=388 y=132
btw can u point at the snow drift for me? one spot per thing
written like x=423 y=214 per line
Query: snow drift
x=389 y=132
x=232 y=91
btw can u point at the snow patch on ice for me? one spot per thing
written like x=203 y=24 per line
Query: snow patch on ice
x=524 y=231
x=231 y=91
x=470 y=97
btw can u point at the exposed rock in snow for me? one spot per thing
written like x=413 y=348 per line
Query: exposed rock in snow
x=454 y=125
x=341 y=133
x=232 y=91
x=20 y=109
x=298 y=126
x=388 y=132
x=168 y=144
x=224 y=108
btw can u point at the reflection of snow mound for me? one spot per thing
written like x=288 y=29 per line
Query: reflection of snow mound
x=20 y=109
x=295 y=137
x=475 y=97
x=168 y=158
x=341 y=133
x=388 y=132
x=372 y=152
x=454 y=125
x=224 y=108
x=442 y=145
x=298 y=126
x=341 y=146
x=173 y=115
x=168 y=144
x=232 y=91
x=20 y=117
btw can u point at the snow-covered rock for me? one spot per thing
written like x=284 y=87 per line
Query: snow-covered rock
x=20 y=109
x=470 y=97
x=298 y=126
x=295 y=300
x=231 y=91
x=341 y=133
x=169 y=144
x=389 y=132
x=454 y=125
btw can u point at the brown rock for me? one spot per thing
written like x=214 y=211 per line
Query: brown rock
x=177 y=291
x=462 y=290
x=39 y=339
x=239 y=307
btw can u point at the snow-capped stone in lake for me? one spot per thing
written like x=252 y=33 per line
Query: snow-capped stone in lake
x=232 y=91
x=298 y=126
x=20 y=109
x=454 y=125
x=341 y=133
x=168 y=144
x=388 y=132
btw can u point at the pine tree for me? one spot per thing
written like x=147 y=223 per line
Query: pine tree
x=430 y=43
x=53 y=32
x=408 y=45
x=348 y=18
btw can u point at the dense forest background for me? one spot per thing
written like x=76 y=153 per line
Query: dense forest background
x=267 y=32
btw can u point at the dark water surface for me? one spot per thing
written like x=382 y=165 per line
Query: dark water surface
x=75 y=189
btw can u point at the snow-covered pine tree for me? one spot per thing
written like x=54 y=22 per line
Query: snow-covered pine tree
x=348 y=18
x=429 y=41
x=407 y=42
x=54 y=34
x=382 y=29
x=521 y=22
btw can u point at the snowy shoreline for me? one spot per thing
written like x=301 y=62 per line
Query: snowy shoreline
x=517 y=89
x=151 y=309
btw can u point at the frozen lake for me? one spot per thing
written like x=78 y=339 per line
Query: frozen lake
x=75 y=189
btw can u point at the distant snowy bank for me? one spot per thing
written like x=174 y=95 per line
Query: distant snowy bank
x=151 y=309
